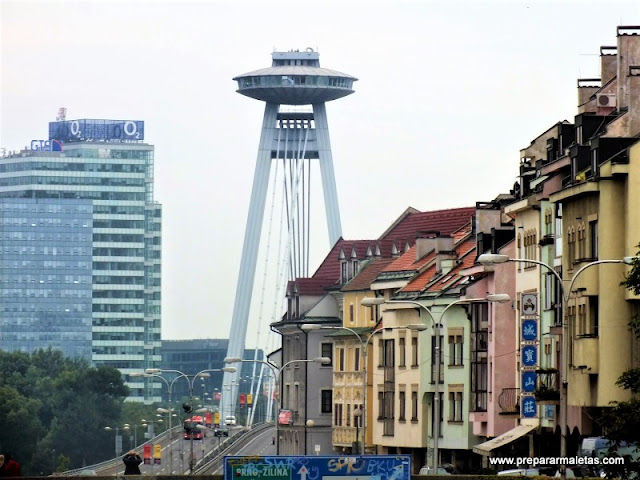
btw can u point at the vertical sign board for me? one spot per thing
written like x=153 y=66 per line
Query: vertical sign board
x=353 y=467
x=157 y=454
x=146 y=453
x=529 y=354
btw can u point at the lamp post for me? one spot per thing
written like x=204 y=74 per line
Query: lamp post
x=118 y=445
x=307 y=327
x=437 y=324
x=190 y=380
x=277 y=371
x=494 y=259
x=357 y=414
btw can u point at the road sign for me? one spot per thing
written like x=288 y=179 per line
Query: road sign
x=353 y=467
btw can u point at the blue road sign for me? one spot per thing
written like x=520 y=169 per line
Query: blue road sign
x=348 y=467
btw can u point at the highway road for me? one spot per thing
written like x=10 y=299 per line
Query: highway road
x=260 y=444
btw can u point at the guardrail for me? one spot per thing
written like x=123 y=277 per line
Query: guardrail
x=117 y=461
x=215 y=454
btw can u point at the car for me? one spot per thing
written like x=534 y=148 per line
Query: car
x=230 y=420
x=220 y=432
x=446 y=469
x=520 y=472
x=87 y=473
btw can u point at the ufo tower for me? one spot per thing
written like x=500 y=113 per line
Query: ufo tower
x=294 y=137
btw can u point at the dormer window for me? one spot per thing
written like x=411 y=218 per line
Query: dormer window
x=354 y=268
x=344 y=271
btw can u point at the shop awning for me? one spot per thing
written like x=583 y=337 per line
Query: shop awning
x=504 y=439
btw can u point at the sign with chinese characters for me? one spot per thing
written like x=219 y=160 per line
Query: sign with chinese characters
x=529 y=330
x=529 y=356
x=529 y=304
x=529 y=407
x=529 y=380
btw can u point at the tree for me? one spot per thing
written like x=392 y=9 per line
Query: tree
x=55 y=405
x=621 y=424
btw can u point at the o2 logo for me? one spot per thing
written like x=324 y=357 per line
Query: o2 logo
x=46 y=146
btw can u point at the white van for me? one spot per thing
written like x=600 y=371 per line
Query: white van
x=230 y=420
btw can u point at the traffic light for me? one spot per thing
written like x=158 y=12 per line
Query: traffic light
x=186 y=407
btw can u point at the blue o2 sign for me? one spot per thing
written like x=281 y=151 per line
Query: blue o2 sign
x=97 y=130
x=46 y=146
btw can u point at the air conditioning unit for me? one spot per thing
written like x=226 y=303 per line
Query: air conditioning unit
x=606 y=100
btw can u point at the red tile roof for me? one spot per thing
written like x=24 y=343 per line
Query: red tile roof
x=403 y=231
x=363 y=280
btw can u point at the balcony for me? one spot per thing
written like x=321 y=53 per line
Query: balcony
x=548 y=388
x=509 y=401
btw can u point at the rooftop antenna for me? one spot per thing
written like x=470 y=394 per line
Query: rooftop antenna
x=62 y=114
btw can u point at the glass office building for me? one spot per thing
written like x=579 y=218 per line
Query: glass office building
x=84 y=214
x=45 y=275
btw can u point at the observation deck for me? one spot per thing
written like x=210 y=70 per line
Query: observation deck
x=295 y=78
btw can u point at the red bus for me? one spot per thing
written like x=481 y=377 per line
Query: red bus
x=191 y=429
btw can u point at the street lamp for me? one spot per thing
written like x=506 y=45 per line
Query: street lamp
x=277 y=371
x=357 y=414
x=190 y=380
x=437 y=324
x=118 y=445
x=494 y=259
x=307 y=327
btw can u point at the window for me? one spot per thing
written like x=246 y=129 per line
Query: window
x=356 y=359
x=593 y=239
x=571 y=247
x=326 y=350
x=414 y=406
x=380 y=405
x=381 y=353
x=403 y=407
x=414 y=351
x=530 y=247
x=403 y=352
x=351 y=317
x=326 y=397
x=582 y=242
x=348 y=415
x=455 y=350
x=341 y=359
x=344 y=271
x=337 y=415
x=433 y=360
x=548 y=222
x=455 y=406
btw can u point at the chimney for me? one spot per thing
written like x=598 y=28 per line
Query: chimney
x=633 y=86
x=608 y=63
x=425 y=243
x=445 y=254
x=628 y=55
x=587 y=87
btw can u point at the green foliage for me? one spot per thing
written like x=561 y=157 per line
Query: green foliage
x=57 y=407
x=632 y=280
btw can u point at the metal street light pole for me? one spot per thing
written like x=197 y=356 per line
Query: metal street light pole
x=277 y=371
x=190 y=380
x=436 y=326
x=493 y=259
x=116 y=440
x=307 y=327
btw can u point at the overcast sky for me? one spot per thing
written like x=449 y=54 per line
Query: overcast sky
x=448 y=93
